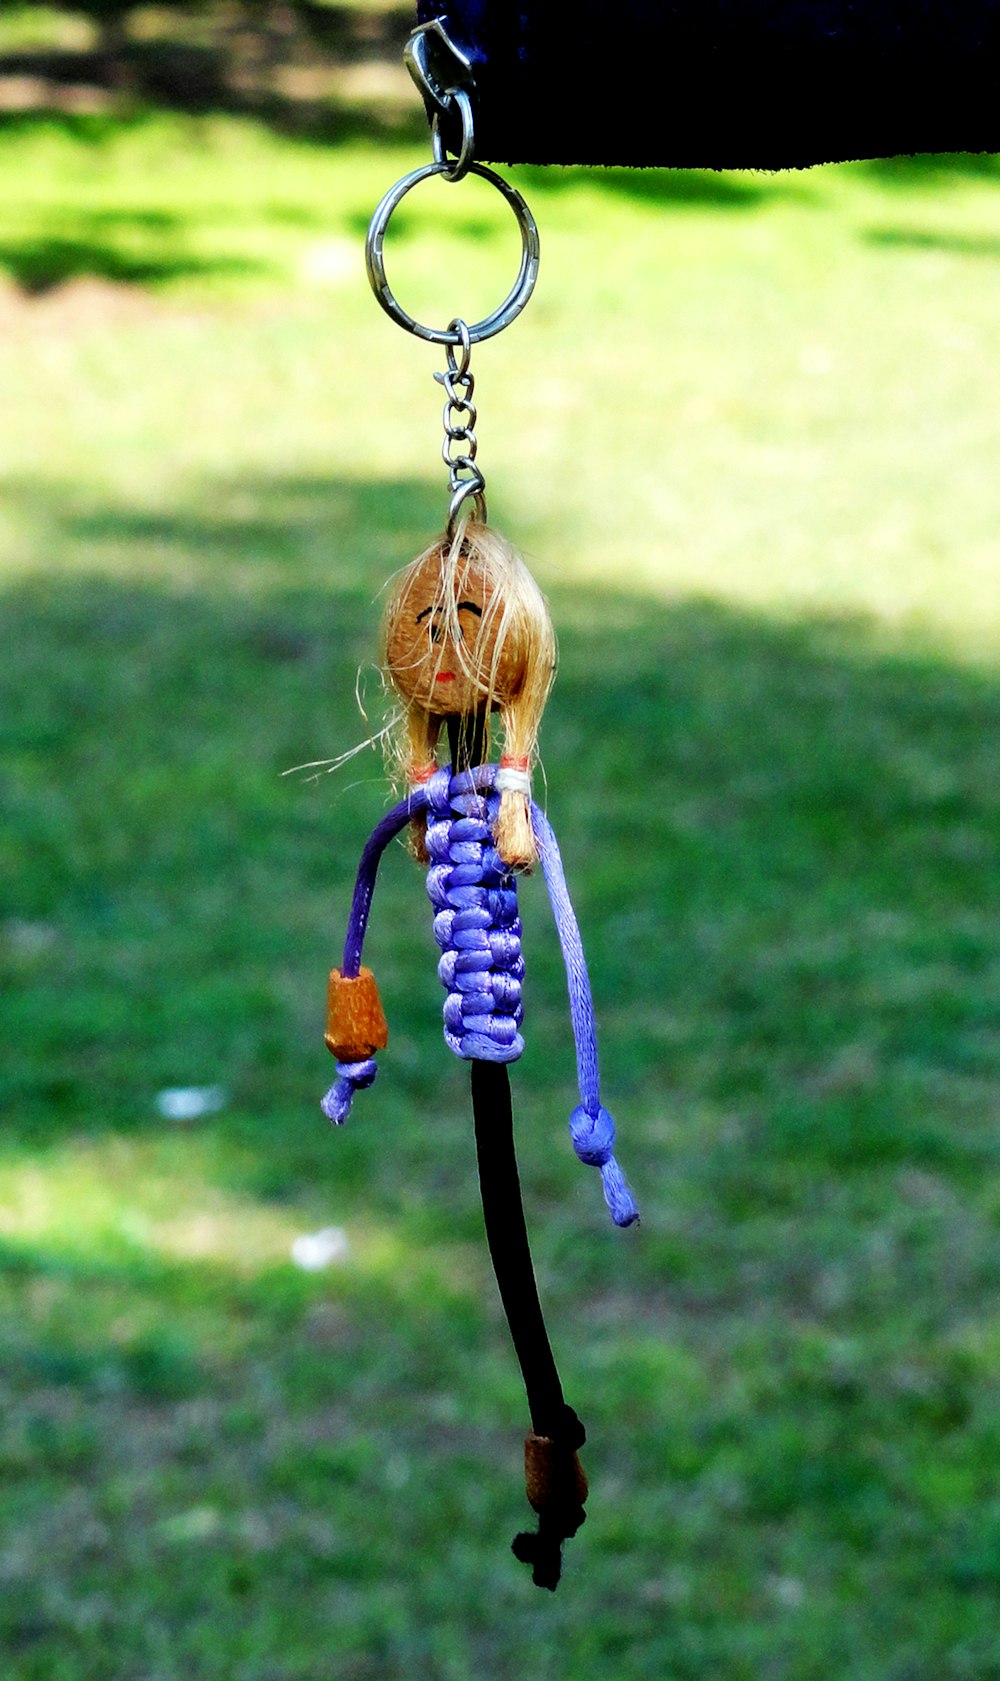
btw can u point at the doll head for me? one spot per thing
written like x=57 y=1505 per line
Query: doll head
x=467 y=631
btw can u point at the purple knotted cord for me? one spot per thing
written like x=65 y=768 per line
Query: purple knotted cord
x=478 y=929
x=591 y=1127
x=476 y=924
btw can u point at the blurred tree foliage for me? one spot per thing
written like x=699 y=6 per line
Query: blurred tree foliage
x=278 y=57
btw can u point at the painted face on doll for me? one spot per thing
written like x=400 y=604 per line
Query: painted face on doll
x=442 y=642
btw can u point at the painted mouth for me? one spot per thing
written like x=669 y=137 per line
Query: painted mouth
x=445 y=677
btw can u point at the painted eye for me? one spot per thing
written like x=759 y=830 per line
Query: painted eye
x=435 y=633
x=469 y=628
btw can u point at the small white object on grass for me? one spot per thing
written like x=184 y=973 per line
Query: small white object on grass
x=189 y=1103
x=315 y=1250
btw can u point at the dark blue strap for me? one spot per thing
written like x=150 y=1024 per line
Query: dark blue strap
x=738 y=84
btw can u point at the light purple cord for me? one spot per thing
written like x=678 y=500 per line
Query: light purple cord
x=478 y=929
x=591 y=1127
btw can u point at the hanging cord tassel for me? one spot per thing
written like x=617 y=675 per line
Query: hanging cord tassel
x=556 y=1487
x=351 y=1077
x=554 y=1480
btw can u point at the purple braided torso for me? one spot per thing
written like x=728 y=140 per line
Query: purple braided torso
x=478 y=928
x=476 y=922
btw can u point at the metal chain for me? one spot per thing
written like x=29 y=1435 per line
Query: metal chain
x=466 y=479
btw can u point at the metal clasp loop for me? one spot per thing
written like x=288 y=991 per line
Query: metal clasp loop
x=527 y=275
x=463 y=163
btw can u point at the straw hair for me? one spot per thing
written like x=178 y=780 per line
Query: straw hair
x=467 y=631
x=421 y=744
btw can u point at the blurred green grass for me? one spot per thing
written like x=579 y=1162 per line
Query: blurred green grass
x=748 y=434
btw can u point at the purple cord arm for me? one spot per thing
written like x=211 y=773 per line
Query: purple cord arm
x=353 y=1076
x=364 y=885
x=590 y=1125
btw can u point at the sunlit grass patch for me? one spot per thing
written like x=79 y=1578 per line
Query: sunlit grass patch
x=131 y=1206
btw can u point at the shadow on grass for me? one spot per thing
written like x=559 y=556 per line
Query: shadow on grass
x=923 y=169
x=782 y=842
x=924 y=239
x=139 y=247
x=357 y=521
x=39 y=264
x=332 y=123
x=713 y=189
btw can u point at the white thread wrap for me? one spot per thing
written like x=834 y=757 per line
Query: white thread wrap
x=513 y=781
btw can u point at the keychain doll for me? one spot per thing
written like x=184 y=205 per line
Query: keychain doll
x=467 y=638
x=467 y=633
